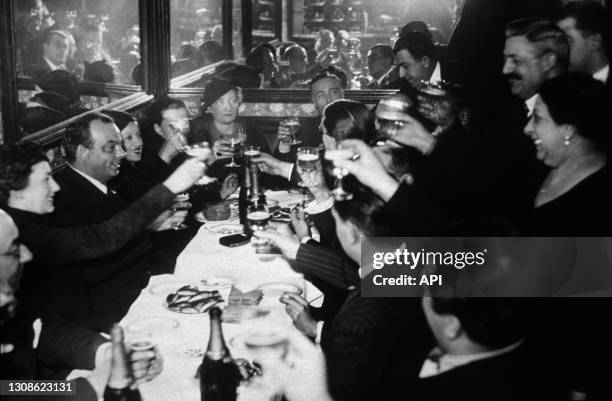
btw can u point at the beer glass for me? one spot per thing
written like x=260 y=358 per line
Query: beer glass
x=258 y=219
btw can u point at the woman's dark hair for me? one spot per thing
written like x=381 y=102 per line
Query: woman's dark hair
x=362 y=119
x=365 y=210
x=16 y=163
x=210 y=51
x=580 y=100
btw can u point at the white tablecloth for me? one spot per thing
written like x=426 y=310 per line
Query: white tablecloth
x=202 y=258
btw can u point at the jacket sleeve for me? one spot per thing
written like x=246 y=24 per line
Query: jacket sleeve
x=326 y=265
x=53 y=246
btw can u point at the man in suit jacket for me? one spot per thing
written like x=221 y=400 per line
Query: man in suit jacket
x=27 y=195
x=56 y=47
x=21 y=338
x=380 y=65
x=586 y=23
x=370 y=340
x=112 y=282
x=325 y=87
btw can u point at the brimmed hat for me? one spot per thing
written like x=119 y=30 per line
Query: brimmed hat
x=216 y=88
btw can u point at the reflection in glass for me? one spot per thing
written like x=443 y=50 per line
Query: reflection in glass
x=196 y=34
x=95 y=41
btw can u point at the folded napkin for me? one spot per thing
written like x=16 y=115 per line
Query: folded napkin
x=239 y=303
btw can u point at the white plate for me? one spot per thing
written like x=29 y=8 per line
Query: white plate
x=218 y=282
x=152 y=325
x=199 y=216
x=224 y=228
x=167 y=287
x=276 y=289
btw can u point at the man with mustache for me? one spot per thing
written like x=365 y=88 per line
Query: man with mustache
x=536 y=50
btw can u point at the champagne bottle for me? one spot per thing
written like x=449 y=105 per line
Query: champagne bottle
x=256 y=197
x=120 y=379
x=243 y=196
x=219 y=376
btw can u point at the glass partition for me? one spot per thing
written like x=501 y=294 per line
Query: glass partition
x=266 y=21
x=196 y=35
x=95 y=41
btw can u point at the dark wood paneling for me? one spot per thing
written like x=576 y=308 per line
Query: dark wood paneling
x=155 y=45
x=10 y=106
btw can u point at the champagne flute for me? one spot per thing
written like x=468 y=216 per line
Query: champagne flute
x=339 y=193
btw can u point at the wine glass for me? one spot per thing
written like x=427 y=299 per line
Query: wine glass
x=235 y=142
x=339 y=193
x=293 y=125
x=307 y=161
x=180 y=128
x=200 y=150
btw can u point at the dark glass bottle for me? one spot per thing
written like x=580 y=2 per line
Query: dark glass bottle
x=120 y=379
x=219 y=375
x=256 y=195
x=243 y=196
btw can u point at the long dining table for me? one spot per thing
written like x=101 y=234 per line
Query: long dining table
x=182 y=338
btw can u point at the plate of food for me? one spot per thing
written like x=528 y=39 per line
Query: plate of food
x=190 y=299
x=221 y=228
x=166 y=287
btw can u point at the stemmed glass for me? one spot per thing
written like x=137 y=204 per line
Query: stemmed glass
x=339 y=193
x=235 y=142
x=293 y=125
x=201 y=150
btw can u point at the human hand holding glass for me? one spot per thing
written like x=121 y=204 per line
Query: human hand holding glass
x=335 y=155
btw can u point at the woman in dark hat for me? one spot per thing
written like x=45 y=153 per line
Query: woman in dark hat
x=220 y=105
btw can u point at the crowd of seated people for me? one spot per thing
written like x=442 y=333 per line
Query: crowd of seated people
x=78 y=245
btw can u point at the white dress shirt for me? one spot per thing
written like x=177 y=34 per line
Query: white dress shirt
x=439 y=362
x=95 y=182
x=530 y=103
x=602 y=75
x=54 y=66
x=436 y=76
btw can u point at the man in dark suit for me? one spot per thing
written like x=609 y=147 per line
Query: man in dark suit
x=586 y=24
x=325 y=87
x=371 y=344
x=112 y=282
x=482 y=353
x=21 y=337
x=56 y=46
x=380 y=66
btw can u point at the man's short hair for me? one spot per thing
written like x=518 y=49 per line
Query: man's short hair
x=49 y=35
x=331 y=71
x=417 y=44
x=385 y=51
x=156 y=109
x=590 y=16
x=544 y=35
x=16 y=163
x=79 y=133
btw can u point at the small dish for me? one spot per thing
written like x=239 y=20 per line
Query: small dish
x=199 y=216
x=166 y=287
x=276 y=289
